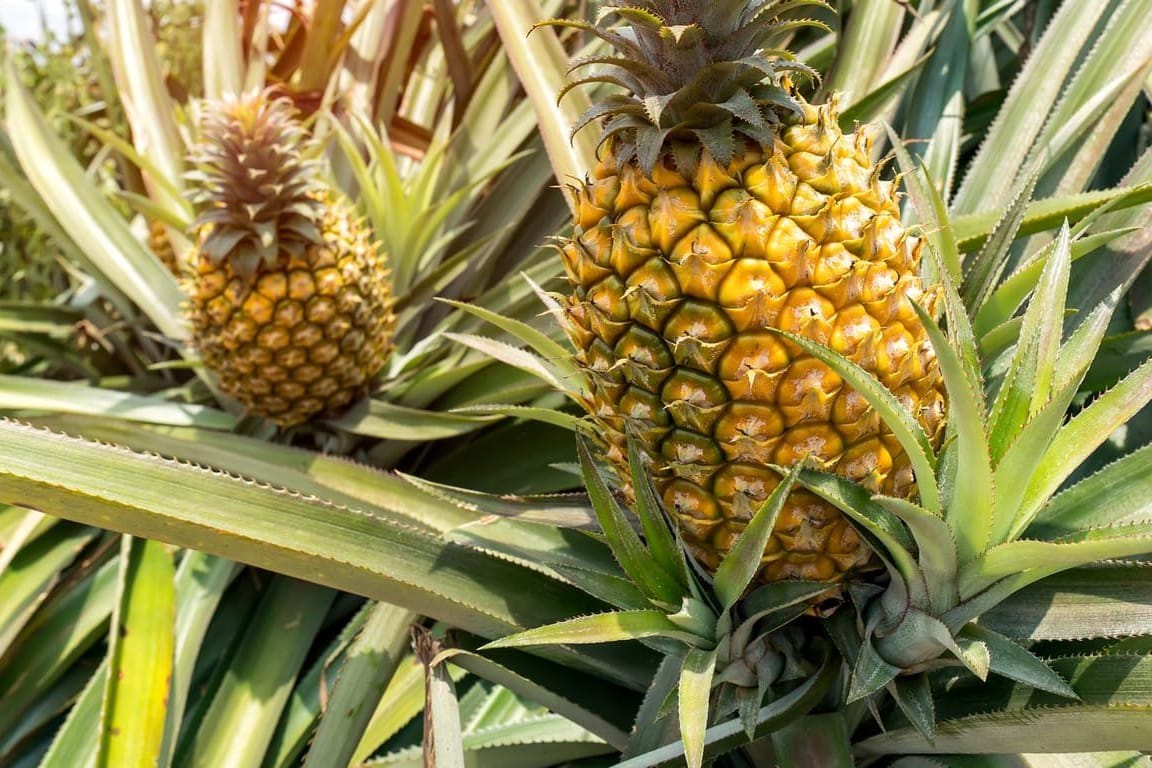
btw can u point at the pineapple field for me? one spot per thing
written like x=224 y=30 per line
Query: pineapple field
x=577 y=383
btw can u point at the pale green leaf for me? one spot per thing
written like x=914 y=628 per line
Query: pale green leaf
x=1097 y=601
x=729 y=734
x=75 y=744
x=740 y=565
x=1027 y=386
x=541 y=65
x=91 y=220
x=1080 y=436
x=64 y=629
x=373 y=658
x=245 y=709
x=1077 y=549
x=23 y=393
x=1120 y=493
x=936 y=550
x=143 y=641
x=533 y=688
x=694 y=692
x=388 y=421
x=600 y=628
x=969 y=515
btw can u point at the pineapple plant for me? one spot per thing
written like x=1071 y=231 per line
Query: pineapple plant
x=726 y=212
x=135 y=651
x=290 y=304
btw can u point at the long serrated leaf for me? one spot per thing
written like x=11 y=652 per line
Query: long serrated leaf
x=867 y=39
x=75 y=620
x=533 y=688
x=653 y=727
x=995 y=169
x=694 y=693
x=913 y=695
x=223 y=55
x=894 y=415
x=142 y=647
x=970 y=513
x=1020 y=462
x=1098 y=601
x=539 y=342
x=960 y=331
x=656 y=583
x=1016 y=663
x=556 y=418
x=938 y=95
x=984 y=269
x=568 y=556
x=870 y=673
x=725 y=736
x=517 y=358
x=930 y=207
x=1028 y=385
x=857 y=504
x=1003 y=302
x=309 y=703
x=1076 y=441
x=402 y=701
x=600 y=628
x=201 y=581
x=374 y=554
x=1119 y=493
x=1078 y=549
x=658 y=534
x=91 y=221
x=32 y=571
x=1113 y=715
x=1048 y=213
x=142 y=91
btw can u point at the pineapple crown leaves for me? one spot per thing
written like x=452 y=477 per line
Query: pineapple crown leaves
x=691 y=69
x=256 y=184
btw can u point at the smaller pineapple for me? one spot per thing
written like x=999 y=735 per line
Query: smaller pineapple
x=161 y=246
x=291 y=304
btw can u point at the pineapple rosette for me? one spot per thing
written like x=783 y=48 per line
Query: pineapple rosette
x=290 y=301
x=724 y=210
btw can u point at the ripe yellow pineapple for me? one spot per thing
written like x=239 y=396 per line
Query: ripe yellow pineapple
x=723 y=205
x=161 y=246
x=290 y=299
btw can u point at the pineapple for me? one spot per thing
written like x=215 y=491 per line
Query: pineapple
x=161 y=246
x=290 y=300
x=724 y=206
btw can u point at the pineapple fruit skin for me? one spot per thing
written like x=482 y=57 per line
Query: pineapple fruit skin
x=161 y=247
x=303 y=337
x=677 y=278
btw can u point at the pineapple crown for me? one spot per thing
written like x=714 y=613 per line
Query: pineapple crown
x=695 y=70
x=256 y=187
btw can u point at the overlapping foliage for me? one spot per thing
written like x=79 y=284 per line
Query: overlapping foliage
x=448 y=159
